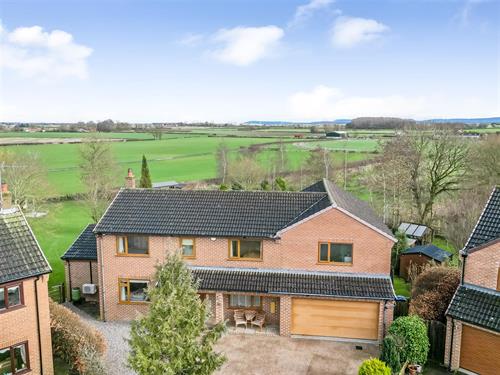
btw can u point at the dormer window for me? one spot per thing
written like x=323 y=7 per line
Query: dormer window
x=132 y=245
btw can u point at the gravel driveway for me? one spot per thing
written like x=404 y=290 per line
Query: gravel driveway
x=115 y=334
x=251 y=354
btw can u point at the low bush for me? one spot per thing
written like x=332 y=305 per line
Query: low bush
x=390 y=352
x=412 y=332
x=374 y=366
x=432 y=292
x=74 y=341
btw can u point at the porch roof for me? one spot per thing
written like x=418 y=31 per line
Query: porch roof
x=294 y=282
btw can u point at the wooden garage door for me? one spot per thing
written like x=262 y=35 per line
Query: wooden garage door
x=480 y=351
x=347 y=319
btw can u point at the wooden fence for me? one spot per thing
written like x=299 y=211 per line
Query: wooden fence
x=56 y=292
x=436 y=331
x=401 y=308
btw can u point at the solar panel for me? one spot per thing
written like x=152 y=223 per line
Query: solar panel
x=403 y=227
x=412 y=228
x=420 y=231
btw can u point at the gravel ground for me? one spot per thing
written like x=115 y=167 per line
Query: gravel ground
x=115 y=334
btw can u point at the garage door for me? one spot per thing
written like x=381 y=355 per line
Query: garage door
x=479 y=351
x=315 y=317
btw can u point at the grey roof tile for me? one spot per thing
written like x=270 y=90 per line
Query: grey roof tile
x=208 y=213
x=432 y=251
x=476 y=305
x=20 y=255
x=488 y=226
x=295 y=282
x=84 y=247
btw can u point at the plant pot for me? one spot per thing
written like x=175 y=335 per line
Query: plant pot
x=412 y=369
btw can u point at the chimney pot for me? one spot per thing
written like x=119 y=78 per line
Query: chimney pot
x=6 y=197
x=5 y=187
x=130 y=179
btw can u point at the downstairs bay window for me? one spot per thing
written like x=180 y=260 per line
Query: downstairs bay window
x=242 y=301
x=132 y=291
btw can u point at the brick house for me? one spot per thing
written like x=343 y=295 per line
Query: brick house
x=473 y=317
x=25 y=339
x=316 y=262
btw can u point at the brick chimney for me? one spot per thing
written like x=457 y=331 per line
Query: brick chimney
x=6 y=197
x=130 y=179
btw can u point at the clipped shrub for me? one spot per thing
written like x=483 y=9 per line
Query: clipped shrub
x=77 y=343
x=390 y=352
x=412 y=332
x=374 y=366
x=432 y=292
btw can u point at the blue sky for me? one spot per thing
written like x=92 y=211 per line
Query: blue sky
x=248 y=60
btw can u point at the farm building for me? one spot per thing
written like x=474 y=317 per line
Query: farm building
x=420 y=256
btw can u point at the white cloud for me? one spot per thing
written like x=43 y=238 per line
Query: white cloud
x=350 y=31
x=464 y=13
x=324 y=102
x=191 y=39
x=243 y=46
x=304 y=12
x=35 y=53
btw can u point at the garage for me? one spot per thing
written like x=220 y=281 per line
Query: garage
x=479 y=351
x=335 y=318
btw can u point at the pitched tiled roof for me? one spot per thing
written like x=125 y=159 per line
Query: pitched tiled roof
x=84 y=247
x=476 y=305
x=488 y=226
x=20 y=255
x=346 y=201
x=294 y=282
x=430 y=250
x=208 y=213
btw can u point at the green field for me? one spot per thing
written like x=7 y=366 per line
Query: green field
x=181 y=157
x=75 y=135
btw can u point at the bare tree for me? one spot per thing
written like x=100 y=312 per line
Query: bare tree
x=98 y=173
x=436 y=164
x=319 y=164
x=222 y=159
x=26 y=176
x=486 y=161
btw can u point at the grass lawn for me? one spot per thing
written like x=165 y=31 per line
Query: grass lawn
x=57 y=231
x=401 y=287
x=445 y=245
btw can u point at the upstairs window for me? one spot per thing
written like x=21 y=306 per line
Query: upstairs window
x=245 y=249
x=11 y=296
x=14 y=359
x=188 y=247
x=330 y=252
x=132 y=245
x=133 y=291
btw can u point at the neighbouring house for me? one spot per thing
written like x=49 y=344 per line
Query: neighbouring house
x=168 y=185
x=316 y=262
x=25 y=339
x=417 y=234
x=80 y=265
x=473 y=317
x=419 y=256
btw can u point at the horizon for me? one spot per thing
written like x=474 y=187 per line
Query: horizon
x=234 y=62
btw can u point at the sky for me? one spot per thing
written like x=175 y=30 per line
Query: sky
x=235 y=61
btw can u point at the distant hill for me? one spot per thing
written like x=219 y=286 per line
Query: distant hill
x=291 y=123
x=479 y=120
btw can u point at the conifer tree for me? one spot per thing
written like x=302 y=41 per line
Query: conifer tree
x=145 y=176
x=173 y=337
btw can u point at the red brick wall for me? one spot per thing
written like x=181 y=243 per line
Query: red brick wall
x=297 y=249
x=481 y=266
x=79 y=272
x=20 y=325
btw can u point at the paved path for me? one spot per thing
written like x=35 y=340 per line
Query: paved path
x=115 y=334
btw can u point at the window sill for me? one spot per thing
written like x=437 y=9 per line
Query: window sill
x=334 y=264
x=133 y=255
x=246 y=259
x=189 y=257
x=133 y=303
x=15 y=308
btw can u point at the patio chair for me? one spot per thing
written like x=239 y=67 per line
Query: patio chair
x=239 y=318
x=250 y=315
x=259 y=320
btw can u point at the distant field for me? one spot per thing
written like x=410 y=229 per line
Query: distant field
x=75 y=135
x=362 y=145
